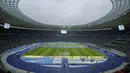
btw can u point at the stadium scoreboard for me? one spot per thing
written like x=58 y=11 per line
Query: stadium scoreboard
x=6 y=26
x=63 y=31
x=121 y=27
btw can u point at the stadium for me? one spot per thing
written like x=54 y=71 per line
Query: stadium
x=64 y=36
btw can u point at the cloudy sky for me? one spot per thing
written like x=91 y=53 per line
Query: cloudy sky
x=65 y=12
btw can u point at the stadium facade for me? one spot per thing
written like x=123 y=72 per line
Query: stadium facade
x=102 y=35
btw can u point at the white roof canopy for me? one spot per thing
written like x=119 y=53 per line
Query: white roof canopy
x=65 y=12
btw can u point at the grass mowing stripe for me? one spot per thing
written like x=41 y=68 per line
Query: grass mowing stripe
x=83 y=52
x=57 y=52
x=75 y=52
x=43 y=49
x=40 y=50
x=33 y=52
x=45 y=53
x=92 y=52
x=95 y=53
x=87 y=53
x=30 y=52
x=88 y=50
x=61 y=50
x=70 y=51
x=52 y=51
x=48 y=52
x=80 y=51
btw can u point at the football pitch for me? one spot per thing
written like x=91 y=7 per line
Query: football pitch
x=42 y=51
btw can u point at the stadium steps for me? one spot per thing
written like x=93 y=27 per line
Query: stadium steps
x=65 y=66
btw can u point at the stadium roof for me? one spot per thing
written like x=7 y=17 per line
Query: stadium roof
x=65 y=12
x=119 y=14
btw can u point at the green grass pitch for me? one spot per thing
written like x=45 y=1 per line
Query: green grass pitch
x=56 y=52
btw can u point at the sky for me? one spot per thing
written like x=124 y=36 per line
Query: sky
x=65 y=12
